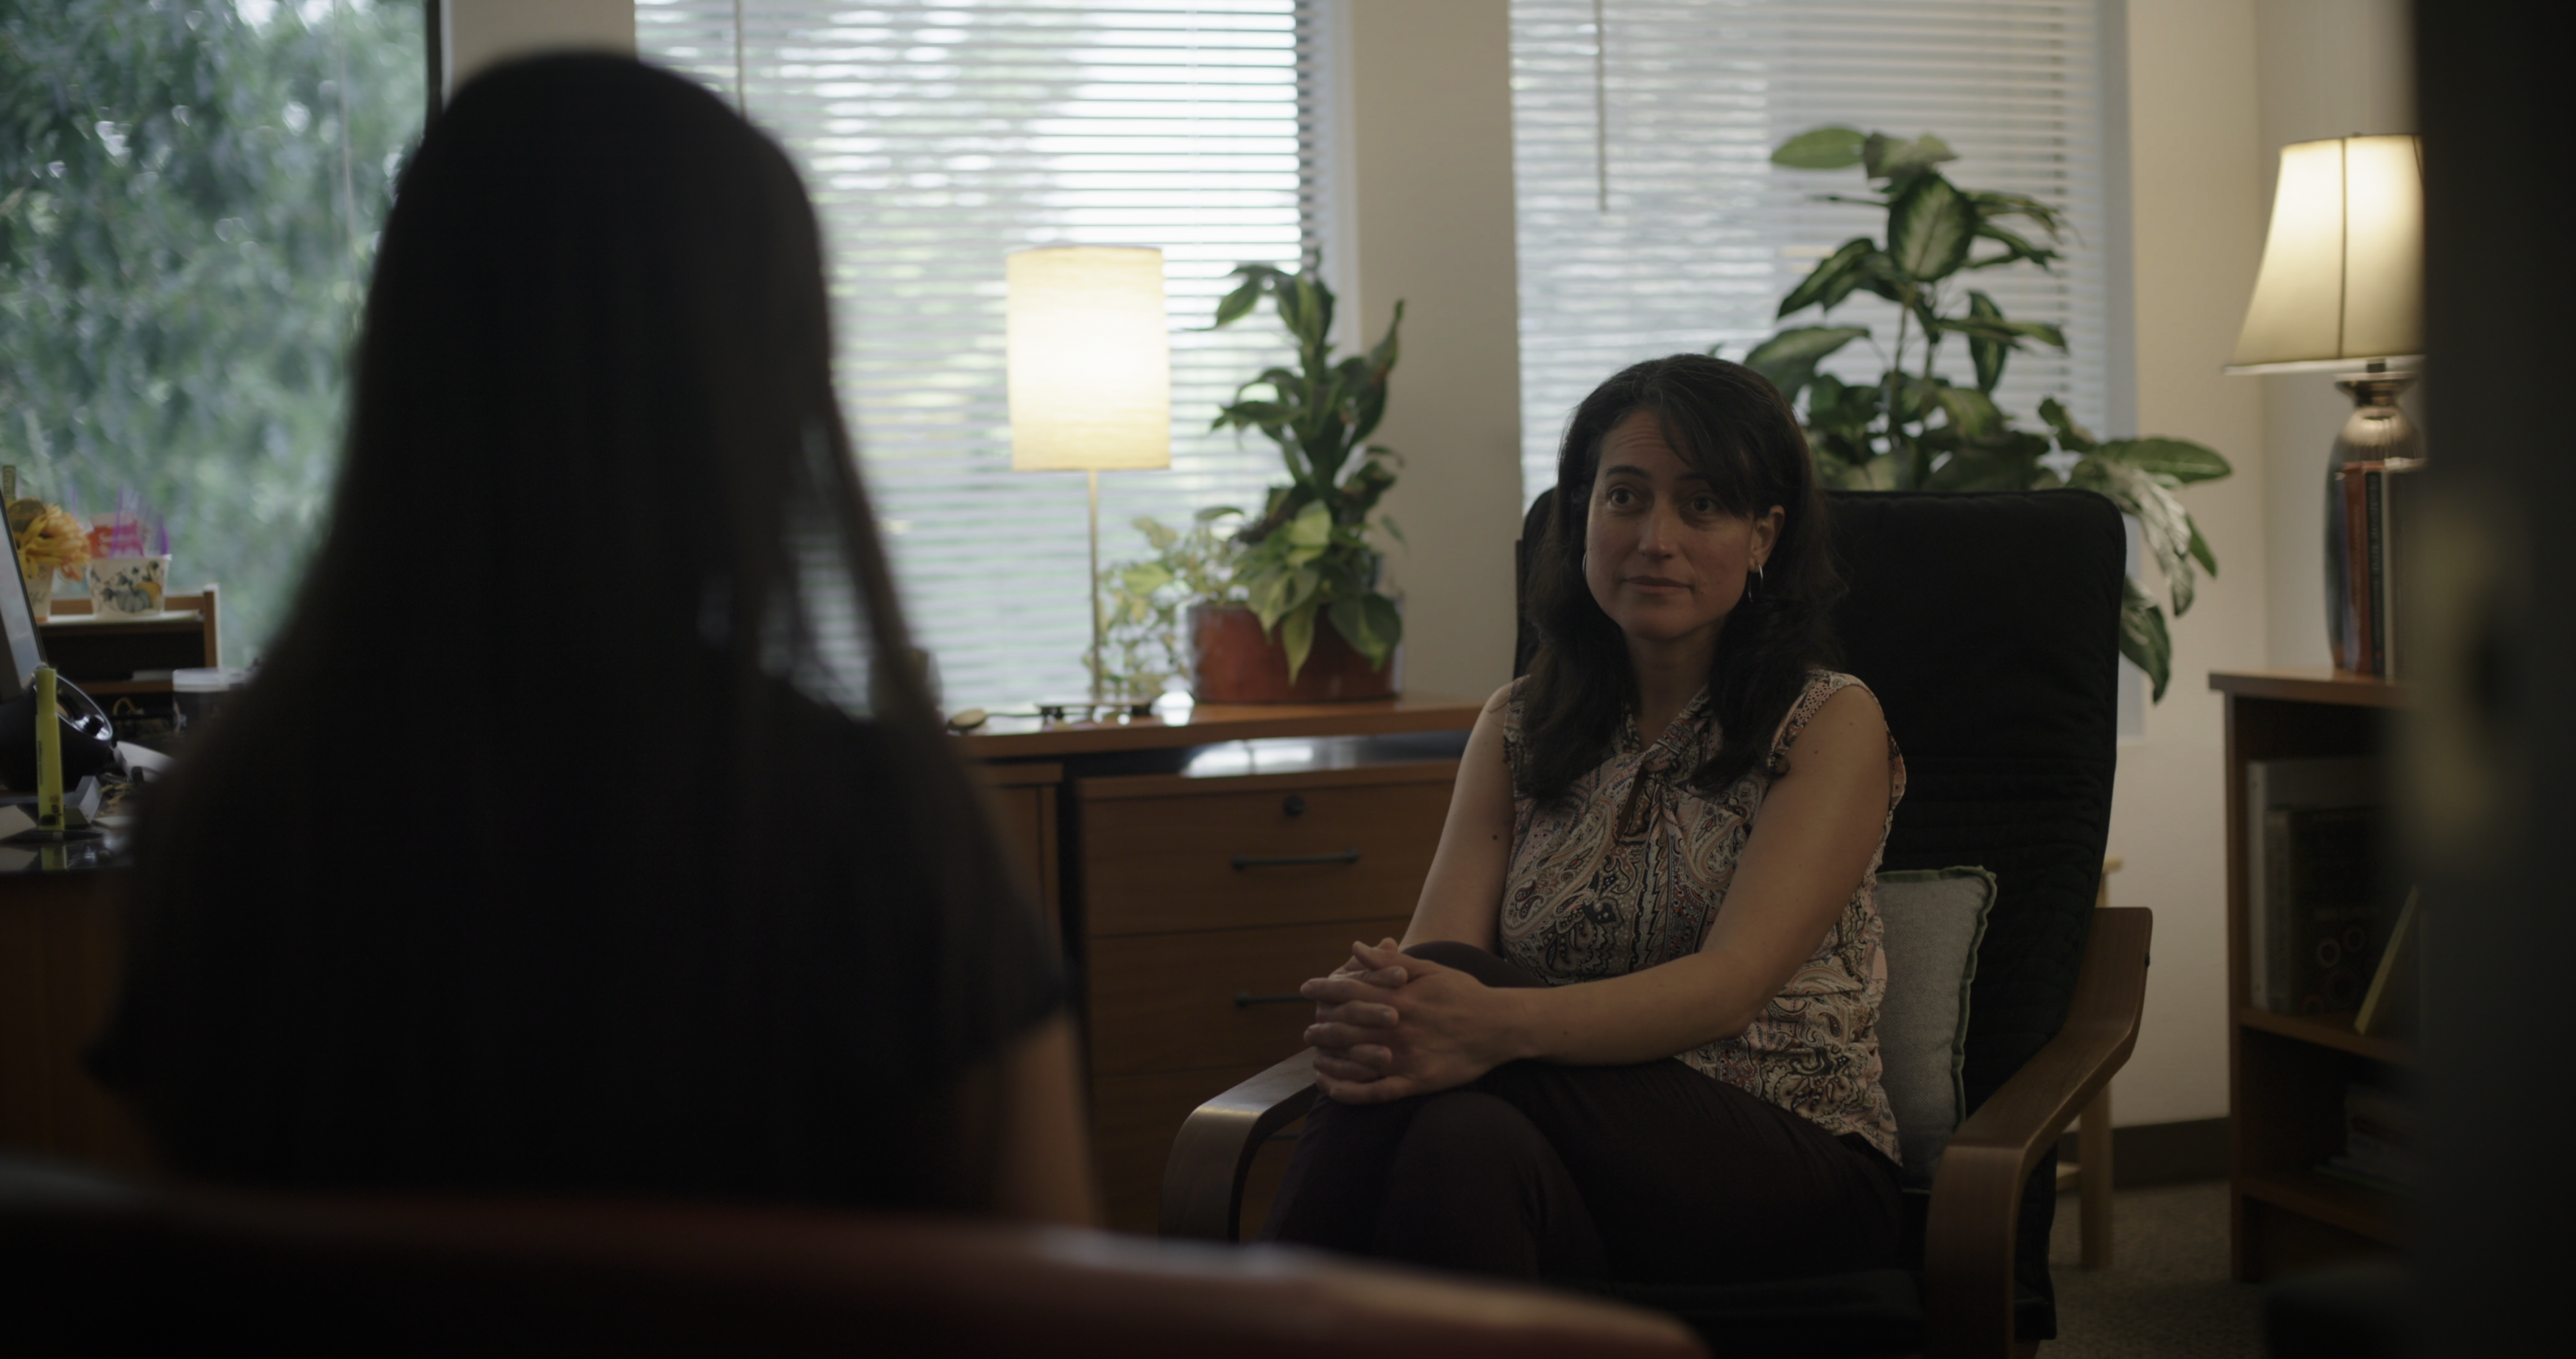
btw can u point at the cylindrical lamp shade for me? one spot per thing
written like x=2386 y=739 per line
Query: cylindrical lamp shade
x=2343 y=268
x=1090 y=356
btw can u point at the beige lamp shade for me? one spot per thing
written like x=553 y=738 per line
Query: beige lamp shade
x=2343 y=268
x=1090 y=357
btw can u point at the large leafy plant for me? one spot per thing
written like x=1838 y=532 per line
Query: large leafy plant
x=1306 y=558
x=1913 y=428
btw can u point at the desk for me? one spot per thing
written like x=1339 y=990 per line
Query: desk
x=59 y=959
x=1202 y=869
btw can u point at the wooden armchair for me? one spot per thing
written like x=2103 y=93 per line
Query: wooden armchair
x=1987 y=626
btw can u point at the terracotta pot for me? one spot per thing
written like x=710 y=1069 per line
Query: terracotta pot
x=1234 y=663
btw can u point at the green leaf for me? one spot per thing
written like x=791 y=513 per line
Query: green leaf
x=2168 y=530
x=2072 y=437
x=1929 y=228
x=1313 y=526
x=1385 y=623
x=2016 y=248
x=1297 y=634
x=1387 y=522
x=1972 y=412
x=1383 y=357
x=1887 y=158
x=2200 y=551
x=1991 y=205
x=1215 y=512
x=1823 y=148
x=1144 y=578
x=1986 y=353
x=2143 y=638
x=1833 y=278
x=2180 y=459
x=1349 y=617
x=1234 y=306
x=1266 y=416
x=1789 y=358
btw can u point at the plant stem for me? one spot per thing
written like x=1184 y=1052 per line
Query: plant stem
x=1896 y=369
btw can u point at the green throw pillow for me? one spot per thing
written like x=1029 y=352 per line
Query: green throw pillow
x=1935 y=920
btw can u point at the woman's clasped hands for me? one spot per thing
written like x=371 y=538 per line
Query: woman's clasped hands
x=1389 y=1025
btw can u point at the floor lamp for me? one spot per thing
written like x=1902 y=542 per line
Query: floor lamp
x=1090 y=358
x=2342 y=289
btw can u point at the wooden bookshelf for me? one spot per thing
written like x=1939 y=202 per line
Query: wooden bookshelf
x=2329 y=1031
x=2287 y=1073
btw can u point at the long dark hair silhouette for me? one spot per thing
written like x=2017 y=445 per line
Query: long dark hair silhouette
x=586 y=827
x=1733 y=427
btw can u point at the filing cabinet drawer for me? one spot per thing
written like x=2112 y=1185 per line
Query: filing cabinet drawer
x=1160 y=1002
x=1163 y=853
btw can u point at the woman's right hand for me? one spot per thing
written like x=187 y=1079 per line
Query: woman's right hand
x=1356 y=994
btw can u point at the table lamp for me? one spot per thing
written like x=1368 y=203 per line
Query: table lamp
x=1090 y=359
x=2342 y=289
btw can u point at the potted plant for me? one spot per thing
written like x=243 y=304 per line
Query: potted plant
x=1913 y=429
x=1286 y=607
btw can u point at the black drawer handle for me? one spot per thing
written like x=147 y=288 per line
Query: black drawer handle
x=1244 y=861
x=1245 y=1000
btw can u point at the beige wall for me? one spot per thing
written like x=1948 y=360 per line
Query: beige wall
x=1424 y=209
x=480 y=32
x=2216 y=88
x=2197 y=228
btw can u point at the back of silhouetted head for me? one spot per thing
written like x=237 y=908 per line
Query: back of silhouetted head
x=593 y=723
x=1734 y=428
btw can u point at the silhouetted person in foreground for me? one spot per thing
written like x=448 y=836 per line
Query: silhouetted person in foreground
x=587 y=828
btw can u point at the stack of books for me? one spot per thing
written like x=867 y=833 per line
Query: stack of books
x=2319 y=909
x=2381 y=1137
x=2378 y=510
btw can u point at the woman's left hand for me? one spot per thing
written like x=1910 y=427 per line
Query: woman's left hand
x=1449 y=1029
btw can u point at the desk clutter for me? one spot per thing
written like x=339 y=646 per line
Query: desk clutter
x=122 y=557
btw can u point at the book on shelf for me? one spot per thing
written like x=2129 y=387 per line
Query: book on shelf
x=2382 y=1140
x=2389 y=1006
x=2314 y=922
x=2378 y=500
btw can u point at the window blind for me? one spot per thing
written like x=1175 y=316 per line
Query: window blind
x=936 y=138
x=1671 y=108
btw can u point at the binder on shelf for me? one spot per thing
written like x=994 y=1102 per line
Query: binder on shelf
x=2281 y=948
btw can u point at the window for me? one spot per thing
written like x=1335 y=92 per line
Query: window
x=1652 y=222
x=936 y=138
x=189 y=197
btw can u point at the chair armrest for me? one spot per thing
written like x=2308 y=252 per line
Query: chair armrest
x=1976 y=1194
x=1203 y=1180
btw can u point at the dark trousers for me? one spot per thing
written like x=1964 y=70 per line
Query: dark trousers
x=1650 y=1173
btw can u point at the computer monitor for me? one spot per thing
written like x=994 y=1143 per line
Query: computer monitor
x=18 y=620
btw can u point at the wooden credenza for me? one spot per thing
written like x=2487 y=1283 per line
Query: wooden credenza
x=1205 y=871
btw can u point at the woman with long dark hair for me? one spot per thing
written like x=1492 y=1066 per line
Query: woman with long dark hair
x=589 y=827
x=1631 y=1032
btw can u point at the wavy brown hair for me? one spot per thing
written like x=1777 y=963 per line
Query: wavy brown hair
x=1736 y=429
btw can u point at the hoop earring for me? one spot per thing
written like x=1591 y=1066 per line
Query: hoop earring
x=1752 y=584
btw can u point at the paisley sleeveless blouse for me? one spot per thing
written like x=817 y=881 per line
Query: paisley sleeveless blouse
x=1631 y=867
